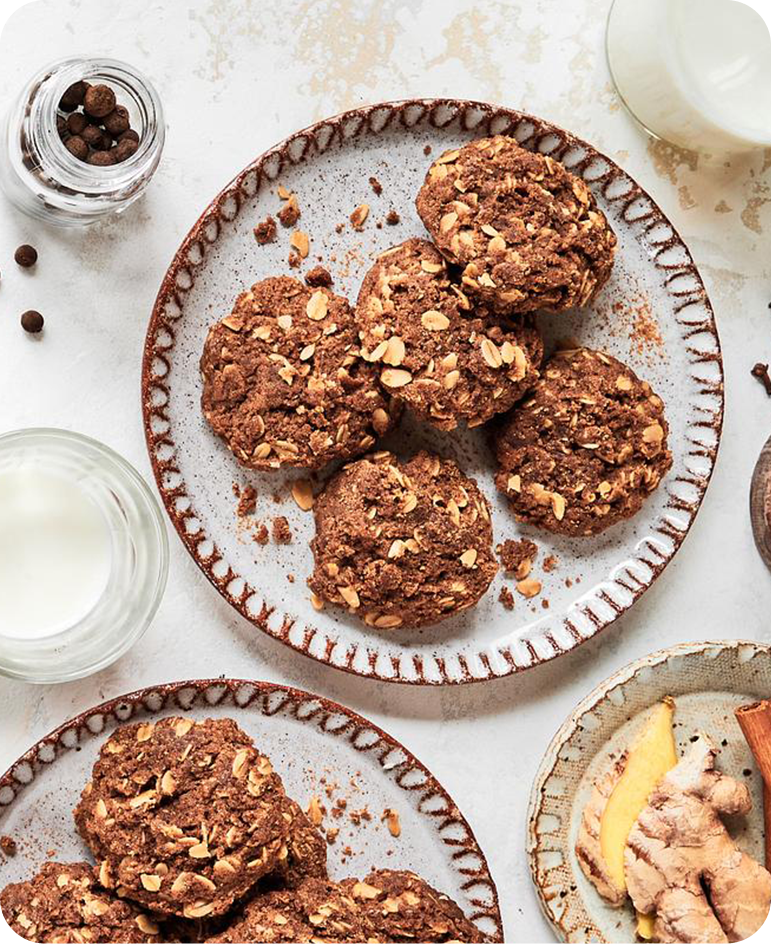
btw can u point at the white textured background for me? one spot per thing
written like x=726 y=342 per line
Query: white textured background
x=236 y=76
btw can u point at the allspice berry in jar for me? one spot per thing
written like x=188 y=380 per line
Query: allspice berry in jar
x=82 y=141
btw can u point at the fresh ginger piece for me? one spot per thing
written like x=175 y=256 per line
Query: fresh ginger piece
x=679 y=851
x=652 y=755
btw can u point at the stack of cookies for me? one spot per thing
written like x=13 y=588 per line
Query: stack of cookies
x=195 y=839
x=444 y=329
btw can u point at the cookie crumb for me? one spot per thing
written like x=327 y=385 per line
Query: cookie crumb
x=332 y=834
x=544 y=604
x=377 y=187
x=529 y=587
x=340 y=227
x=265 y=232
x=293 y=260
x=550 y=563
x=315 y=811
x=393 y=218
x=282 y=533
x=318 y=277
x=289 y=213
x=247 y=501
x=506 y=597
x=391 y=818
x=261 y=535
x=517 y=556
x=8 y=845
x=359 y=216
x=427 y=150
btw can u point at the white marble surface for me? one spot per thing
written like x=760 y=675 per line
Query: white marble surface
x=236 y=76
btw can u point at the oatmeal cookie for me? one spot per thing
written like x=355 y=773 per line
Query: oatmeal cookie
x=307 y=851
x=184 y=817
x=283 y=382
x=527 y=232
x=64 y=903
x=434 y=351
x=585 y=448
x=401 y=906
x=317 y=910
x=402 y=544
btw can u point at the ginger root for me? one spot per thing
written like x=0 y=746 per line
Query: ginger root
x=679 y=852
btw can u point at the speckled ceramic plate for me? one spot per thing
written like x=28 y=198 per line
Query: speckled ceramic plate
x=313 y=743
x=708 y=681
x=654 y=315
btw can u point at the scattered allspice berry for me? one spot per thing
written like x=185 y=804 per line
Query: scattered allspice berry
x=32 y=322
x=25 y=256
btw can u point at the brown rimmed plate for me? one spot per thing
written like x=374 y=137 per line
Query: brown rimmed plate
x=313 y=743
x=654 y=314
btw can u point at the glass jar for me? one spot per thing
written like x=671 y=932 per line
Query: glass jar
x=58 y=491
x=39 y=174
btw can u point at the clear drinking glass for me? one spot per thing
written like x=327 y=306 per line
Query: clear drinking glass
x=696 y=73
x=39 y=174
x=138 y=558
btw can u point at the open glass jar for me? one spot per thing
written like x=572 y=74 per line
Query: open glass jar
x=44 y=179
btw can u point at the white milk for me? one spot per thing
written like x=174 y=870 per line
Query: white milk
x=694 y=72
x=55 y=552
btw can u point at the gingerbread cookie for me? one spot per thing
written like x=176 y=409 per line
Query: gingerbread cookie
x=585 y=448
x=183 y=816
x=64 y=903
x=317 y=910
x=401 y=906
x=283 y=381
x=402 y=544
x=527 y=233
x=434 y=351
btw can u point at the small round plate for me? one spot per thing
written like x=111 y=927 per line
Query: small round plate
x=707 y=681
x=318 y=747
x=654 y=315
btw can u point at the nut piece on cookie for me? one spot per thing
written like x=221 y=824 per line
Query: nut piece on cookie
x=283 y=381
x=585 y=448
x=317 y=910
x=307 y=851
x=401 y=906
x=184 y=817
x=402 y=544
x=65 y=903
x=446 y=360
x=527 y=233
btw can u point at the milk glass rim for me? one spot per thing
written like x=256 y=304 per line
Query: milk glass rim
x=36 y=660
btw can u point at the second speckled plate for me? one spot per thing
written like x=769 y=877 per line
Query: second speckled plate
x=707 y=681
x=654 y=315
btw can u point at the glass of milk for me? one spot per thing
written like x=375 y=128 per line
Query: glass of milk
x=696 y=73
x=83 y=555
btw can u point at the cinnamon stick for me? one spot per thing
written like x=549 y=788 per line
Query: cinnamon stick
x=755 y=722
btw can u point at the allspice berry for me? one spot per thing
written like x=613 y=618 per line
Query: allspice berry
x=118 y=120
x=124 y=149
x=129 y=135
x=32 y=322
x=102 y=158
x=99 y=101
x=93 y=135
x=74 y=96
x=77 y=123
x=25 y=256
x=77 y=147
